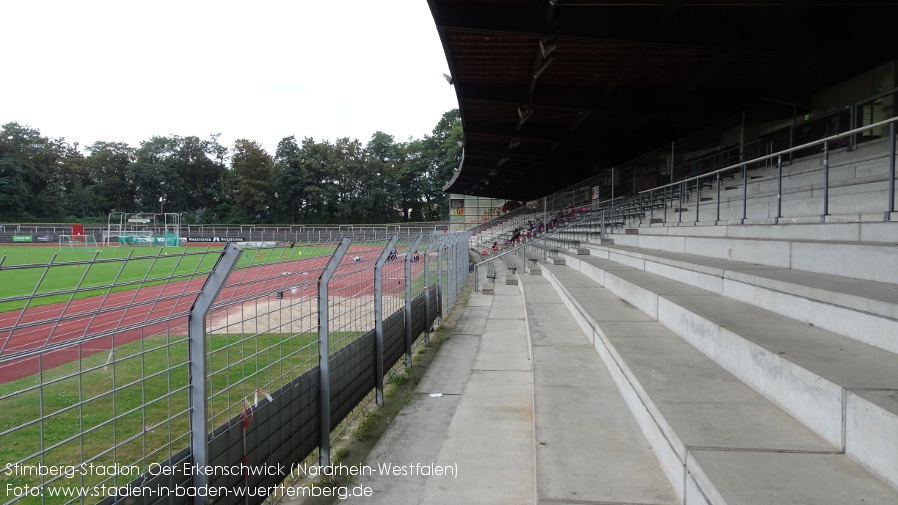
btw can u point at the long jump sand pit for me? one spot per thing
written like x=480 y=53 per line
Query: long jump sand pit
x=292 y=315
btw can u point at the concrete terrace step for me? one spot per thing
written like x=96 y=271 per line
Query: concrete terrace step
x=863 y=310
x=718 y=441
x=859 y=260
x=588 y=448
x=881 y=232
x=841 y=389
x=528 y=415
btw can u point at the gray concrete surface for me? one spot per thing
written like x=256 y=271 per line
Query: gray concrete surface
x=528 y=414
x=589 y=448
x=480 y=423
x=863 y=310
x=793 y=479
x=694 y=404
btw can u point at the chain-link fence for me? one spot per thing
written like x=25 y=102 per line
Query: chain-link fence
x=110 y=234
x=162 y=371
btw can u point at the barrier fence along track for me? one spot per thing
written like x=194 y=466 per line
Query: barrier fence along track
x=115 y=373
x=50 y=233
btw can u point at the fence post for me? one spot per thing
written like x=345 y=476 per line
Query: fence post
x=324 y=380
x=460 y=252
x=196 y=357
x=408 y=301
x=464 y=267
x=450 y=272
x=453 y=258
x=427 y=290
x=440 y=281
x=379 y=321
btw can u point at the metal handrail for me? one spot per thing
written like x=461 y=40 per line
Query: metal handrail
x=546 y=236
x=774 y=155
x=851 y=135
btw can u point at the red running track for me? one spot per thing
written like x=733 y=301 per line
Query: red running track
x=45 y=337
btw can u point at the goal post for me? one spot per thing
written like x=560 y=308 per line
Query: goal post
x=72 y=243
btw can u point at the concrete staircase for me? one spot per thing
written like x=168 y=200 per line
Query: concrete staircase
x=760 y=362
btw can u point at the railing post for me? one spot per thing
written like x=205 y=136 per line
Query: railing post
x=852 y=124
x=379 y=321
x=476 y=281
x=698 y=197
x=779 y=188
x=196 y=358
x=825 y=181
x=792 y=131
x=717 y=221
x=324 y=379
x=408 y=301
x=888 y=215
x=664 y=202
x=744 y=192
x=682 y=199
x=651 y=207
x=427 y=290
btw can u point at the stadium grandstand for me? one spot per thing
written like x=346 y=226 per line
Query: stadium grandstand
x=696 y=302
x=668 y=277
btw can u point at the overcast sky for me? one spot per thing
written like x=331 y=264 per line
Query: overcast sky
x=124 y=71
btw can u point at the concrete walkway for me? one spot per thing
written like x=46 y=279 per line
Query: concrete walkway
x=528 y=414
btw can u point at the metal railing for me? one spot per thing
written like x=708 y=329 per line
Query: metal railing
x=49 y=233
x=725 y=144
x=682 y=190
x=536 y=247
x=604 y=215
x=119 y=366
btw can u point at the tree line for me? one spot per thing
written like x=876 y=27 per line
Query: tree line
x=307 y=181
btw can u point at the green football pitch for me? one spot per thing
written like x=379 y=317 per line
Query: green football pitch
x=40 y=275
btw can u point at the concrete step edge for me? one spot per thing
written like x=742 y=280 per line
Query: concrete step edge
x=866 y=320
x=684 y=472
x=818 y=403
x=856 y=260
